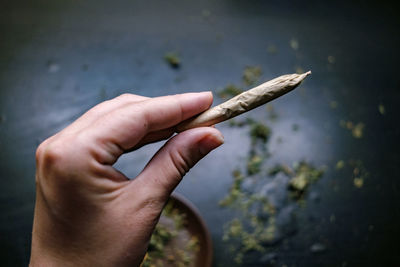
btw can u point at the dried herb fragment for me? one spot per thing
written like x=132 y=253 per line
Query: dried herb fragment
x=257 y=222
x=251 y=75
x=272 y=49
x=294 y=44
x=161 y=248
x=340 y=164
x=299 y=183
x=259 y=131
x=381 y=109
x=295 y=127
x=331 y=59
x=358 y=182
x=172 y=59
x=254 y=165
x=235 y=190
x=160 y=238
x=280 y=168
x=358 y=129
x=304 y=175
x=229 y=91
x=360 y=173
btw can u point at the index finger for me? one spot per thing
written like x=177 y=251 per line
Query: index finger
x=126 y=126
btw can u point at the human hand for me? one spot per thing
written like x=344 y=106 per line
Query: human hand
x=87 y=213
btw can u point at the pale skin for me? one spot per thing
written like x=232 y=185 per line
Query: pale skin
x=88 y=213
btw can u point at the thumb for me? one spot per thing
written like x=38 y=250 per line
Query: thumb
x=166 y=169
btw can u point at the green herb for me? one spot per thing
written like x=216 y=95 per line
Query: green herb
x=294 y=44
x=280 y=168
x=251 y=75
x=358 y=182
x=193 y=244
x=381 y=109
x=172 y=59
x=255 y=225
x=331 y=59
x=304 y=175
x=272 y=49
x=235 y=190
x=160 y=238
x=340 y=164
x=229 y=91
x=295 y=127
x=360 y=173
x=254 y=164
x=358 y=129
x=259 y=131
x=163 y=237
x=298 y=183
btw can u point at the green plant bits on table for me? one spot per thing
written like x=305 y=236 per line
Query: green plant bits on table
x=172 y=59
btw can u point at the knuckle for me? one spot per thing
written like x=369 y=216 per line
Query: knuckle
x=125 y=96
x=52 y=154
x=50 y=159
x=39 y=151
x=129 y=98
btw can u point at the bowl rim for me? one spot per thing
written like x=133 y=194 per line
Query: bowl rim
x=209 y=246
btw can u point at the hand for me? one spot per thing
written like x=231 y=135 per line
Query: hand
x=88 y=213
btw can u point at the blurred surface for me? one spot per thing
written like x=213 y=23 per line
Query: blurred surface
x=59 y=58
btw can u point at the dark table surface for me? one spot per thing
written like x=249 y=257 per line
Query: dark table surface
x=59 y=58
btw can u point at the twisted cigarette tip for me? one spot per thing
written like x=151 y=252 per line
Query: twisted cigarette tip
x=245 y=101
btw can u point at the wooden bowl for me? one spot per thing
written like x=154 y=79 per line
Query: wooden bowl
x=196 y=227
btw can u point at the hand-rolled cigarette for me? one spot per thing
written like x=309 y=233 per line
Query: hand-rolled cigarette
x=245 y=101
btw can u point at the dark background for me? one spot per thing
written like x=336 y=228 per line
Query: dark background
x=59 y=58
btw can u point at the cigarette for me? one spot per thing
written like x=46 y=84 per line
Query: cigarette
x=245 y=101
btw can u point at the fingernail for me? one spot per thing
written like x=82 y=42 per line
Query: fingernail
x=205 y=94
x=210 y=142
